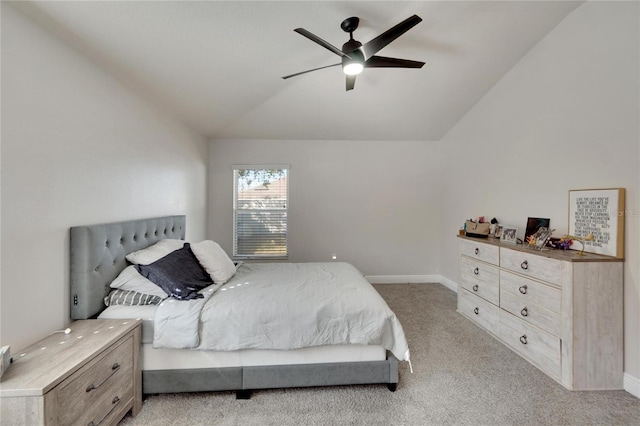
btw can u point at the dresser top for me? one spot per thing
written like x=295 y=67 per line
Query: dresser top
x=40 y=367
x=565 y=255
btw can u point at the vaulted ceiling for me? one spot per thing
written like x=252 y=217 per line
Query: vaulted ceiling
x=217 y=66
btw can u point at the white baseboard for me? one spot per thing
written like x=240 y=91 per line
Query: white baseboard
x=632 y=385
x=413 y=279
x=402 y=279
x=451 y=285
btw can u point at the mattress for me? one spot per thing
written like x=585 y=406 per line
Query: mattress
x=176 y=359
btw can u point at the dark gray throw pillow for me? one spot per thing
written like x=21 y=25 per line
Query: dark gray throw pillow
x=179 y=274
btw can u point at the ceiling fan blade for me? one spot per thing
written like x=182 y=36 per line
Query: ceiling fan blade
x=384 y=62
x=351 y=81
x=372 y=47
x=320 y=41
x=315 y=69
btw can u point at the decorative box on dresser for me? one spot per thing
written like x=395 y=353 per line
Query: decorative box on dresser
x=559 y=310
x=88 y=376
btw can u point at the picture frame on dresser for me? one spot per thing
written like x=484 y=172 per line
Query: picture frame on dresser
x=534 y=224
x=598 y=212
x=509 y=235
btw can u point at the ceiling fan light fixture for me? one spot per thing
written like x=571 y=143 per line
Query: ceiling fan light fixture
x=352 y=68
x=354 y=63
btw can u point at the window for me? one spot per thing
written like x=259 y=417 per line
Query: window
x=260 y=201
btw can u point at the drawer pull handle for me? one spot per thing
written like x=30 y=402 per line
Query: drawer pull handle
x=475 y=287
x=524 y=265
x=114 y=369
x=523 y=339
x=476 y=311
x=477 y=250
x=524 y=312
x=114 y=401
x=476 y=271
x=523 y=289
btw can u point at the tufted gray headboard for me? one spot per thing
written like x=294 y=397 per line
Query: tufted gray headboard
x=98 y=256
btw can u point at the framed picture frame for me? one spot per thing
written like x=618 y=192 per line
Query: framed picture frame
x=539 y=240
x=509 y=235
x=498 y=232
x=534 y=224
x=598 y=212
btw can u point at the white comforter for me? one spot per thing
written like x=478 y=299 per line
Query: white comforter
x=282 y=306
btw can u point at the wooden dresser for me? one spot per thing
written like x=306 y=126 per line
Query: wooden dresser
x=559 y=310
x=90 y=376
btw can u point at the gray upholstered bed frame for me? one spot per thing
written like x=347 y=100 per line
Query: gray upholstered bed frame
x=98 y=256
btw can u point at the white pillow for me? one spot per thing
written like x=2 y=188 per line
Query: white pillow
x=214 y=260
x=152 y=253
x=130 y=279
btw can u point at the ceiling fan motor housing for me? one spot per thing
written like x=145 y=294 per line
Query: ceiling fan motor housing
x=351 y=46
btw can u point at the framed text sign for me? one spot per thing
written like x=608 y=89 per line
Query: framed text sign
x=599 y=212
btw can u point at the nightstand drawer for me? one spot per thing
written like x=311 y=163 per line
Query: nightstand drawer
x=529 y=264
x=480 y=279
x=538 y=346
x=481 y=251
x=479 y=311
x=99 y=389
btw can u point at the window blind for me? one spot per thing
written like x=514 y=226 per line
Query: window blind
x=260 y=212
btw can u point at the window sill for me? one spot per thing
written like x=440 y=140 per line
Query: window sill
x=261 y=258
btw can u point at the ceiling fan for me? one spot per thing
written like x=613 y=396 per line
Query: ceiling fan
x=357 y=56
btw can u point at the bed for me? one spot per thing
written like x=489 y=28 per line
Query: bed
x=98 y=257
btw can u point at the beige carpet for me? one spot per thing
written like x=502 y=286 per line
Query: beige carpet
x=462 y=376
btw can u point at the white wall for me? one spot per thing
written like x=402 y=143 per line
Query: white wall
x=78 y=147
x=375 y=204
x=566 y=117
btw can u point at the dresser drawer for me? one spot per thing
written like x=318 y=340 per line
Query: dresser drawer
x=531 y=313
x=531 y=301
x=100 y=389
x=480 y=279
x=479 y=310
x=535 y=266
x=538 y=346
x=530 y=291
x=481 y=251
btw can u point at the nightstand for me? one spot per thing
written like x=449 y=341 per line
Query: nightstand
x=90 y=376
